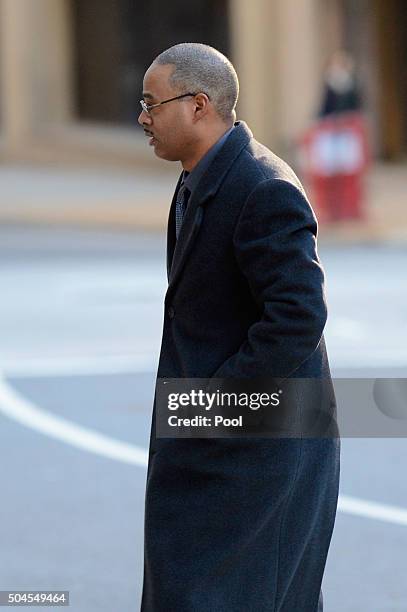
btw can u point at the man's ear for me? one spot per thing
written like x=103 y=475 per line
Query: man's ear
x=201 y=106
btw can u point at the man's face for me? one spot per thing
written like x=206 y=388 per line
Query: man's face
x=170 y=127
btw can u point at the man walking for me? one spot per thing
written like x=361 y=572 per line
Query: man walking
x=234 y=525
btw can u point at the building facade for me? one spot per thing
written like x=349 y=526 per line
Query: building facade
x=71 y=70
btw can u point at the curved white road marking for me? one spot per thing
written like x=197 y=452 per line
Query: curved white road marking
x=16 y=407
x=19 y=409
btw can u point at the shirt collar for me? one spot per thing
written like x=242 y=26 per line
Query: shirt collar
x=191 y=179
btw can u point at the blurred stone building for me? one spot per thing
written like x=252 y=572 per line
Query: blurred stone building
x=71 y=70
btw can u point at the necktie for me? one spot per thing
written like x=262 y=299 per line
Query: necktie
x=180 y=206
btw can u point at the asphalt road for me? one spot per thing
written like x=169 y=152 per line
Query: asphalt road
x=80 y=327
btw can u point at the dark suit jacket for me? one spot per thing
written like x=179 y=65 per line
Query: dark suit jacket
x=241 y=525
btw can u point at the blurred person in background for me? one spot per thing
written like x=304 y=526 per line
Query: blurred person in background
x=335 y=150
x=340 y=91
x=234 y=524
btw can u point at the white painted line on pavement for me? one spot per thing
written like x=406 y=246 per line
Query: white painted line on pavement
x=372 y=510
x=16 y=407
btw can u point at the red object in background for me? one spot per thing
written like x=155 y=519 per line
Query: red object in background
x=334 y=157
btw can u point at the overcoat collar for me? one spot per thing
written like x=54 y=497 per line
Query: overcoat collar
x=178 y=250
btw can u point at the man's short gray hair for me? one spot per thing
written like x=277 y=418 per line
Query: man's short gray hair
x=201 y=68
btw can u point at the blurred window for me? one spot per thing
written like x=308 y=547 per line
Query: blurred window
x=116 y=40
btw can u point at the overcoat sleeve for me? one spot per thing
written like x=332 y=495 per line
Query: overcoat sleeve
x=275 y=248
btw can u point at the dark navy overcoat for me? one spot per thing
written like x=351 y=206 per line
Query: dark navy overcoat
x=241 y=525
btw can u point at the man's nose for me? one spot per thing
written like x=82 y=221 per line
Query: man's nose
x=144 y=118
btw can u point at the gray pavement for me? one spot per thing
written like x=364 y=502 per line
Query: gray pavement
x=139 y=199
x=80 y=322
x=86 y=197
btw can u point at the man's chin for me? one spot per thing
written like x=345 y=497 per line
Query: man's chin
x=158 y=153
x=162 y=154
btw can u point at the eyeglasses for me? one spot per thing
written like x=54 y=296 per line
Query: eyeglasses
x=147 y=107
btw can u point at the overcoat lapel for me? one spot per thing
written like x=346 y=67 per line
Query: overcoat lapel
x=178 y=250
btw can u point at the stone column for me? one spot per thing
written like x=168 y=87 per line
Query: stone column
x=252 y=41
x=300 y=64
x=277 y=50
x=36 y=74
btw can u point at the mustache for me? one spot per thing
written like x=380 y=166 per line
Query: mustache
x=148 y=133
